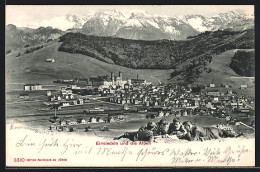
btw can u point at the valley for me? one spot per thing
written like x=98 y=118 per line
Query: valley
x=67 y=66
x=170 y=80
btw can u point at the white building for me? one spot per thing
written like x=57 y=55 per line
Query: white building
x=212 y=85
x=50 y=60
x=115 y=81
x=243 y=86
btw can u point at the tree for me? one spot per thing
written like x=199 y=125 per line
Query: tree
x=18 y=54
x=209 y=70
x=55 y=107
x=8 y=51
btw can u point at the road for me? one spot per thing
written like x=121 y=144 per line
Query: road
x=155 y=79
x=19 y=102
x=152 y=76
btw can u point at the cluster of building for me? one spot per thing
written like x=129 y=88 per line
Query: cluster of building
x=243 y=86
x=114 y=82
x=65 y=97
x=102 y=81
x=173 y=97
x=65 y=123
x=155 y=100
x=170 y=99
x=28 y=87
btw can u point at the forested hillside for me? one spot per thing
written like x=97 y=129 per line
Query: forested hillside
x=187 y=58
x=243 y=63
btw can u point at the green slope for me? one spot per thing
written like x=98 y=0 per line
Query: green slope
x=221 y=72
x=33 y=68
x=160 y=54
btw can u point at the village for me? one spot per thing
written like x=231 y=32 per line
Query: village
x=111 y=99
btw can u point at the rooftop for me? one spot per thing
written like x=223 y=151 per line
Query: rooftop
x=32 y=84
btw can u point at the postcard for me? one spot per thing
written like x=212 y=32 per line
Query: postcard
x=130 y=85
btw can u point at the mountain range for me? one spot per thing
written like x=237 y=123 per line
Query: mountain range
x=127 y=24
x=20 y=37
x=139 y=25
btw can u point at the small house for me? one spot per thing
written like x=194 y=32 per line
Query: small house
x=234 y=104
x=93 y=120
x=212 y=85
x=213 y=93
x=52 y=98
x=160 y=114
x=167 y=114
x=196 y=103
x=123 y=102
x=178 y=114
x=147 y=103
x=52 y=128
x=59 y=128
x=24 y=96
x=121 y=117
x=209 y=105
x=65 y=103
x=63 y=122
x=71 y=129
x=50 y=60
x=63 y=88
x=63 y=92
x=68 y=122
x=229 y=92
x=216 y=99
x=185 y=113
x=240 y=105
x=105 y=128
x=81 y=121
x=119 y=100
x=126 y=106
x=27 y=87
x=88 y=129
x=99 y=119
x=136 y=101
x=48 y=93
x=38 y=86
x=73 y=86
x=243 y=87
x=68 y=91
x=111 y=119
x=245 y=110
x=74 y=102
x=228 y=118
x=80 y=101
x=73 y=123
x=32 y=87
x=227 y=86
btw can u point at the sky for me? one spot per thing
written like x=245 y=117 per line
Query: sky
x=21 y=15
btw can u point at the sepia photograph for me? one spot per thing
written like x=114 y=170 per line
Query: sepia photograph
x=130 y=85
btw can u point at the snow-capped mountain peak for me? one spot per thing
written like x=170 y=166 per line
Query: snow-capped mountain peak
x=137 y=24
x=133 y=22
